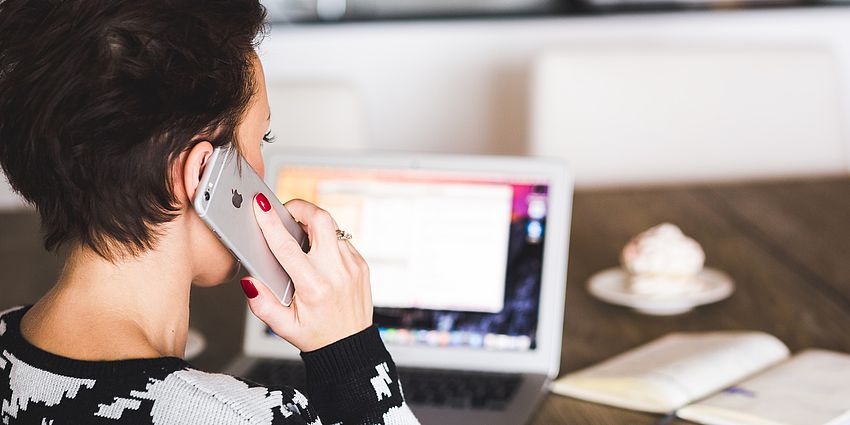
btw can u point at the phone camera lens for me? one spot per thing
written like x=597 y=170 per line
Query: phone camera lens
x=207 y=195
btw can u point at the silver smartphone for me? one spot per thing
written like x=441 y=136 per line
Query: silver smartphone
x=224 y=202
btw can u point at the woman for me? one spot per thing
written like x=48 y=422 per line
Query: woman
x=108 y=113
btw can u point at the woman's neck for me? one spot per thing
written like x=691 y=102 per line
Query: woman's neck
x=133 y=308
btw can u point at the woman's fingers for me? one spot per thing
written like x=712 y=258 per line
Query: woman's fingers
x=356 y=265
x=348 y=258
x=284 y=247
x=319 y=222
x=332 y=280
x=357 y=255
x=265 y=305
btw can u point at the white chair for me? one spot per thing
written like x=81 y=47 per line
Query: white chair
x=637 y=114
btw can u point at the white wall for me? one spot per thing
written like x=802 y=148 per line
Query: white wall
x=462 y=86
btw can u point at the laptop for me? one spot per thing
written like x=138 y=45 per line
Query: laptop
x=467 y=258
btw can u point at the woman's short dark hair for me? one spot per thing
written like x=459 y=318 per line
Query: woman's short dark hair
x=98 y=98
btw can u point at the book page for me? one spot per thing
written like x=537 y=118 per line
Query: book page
x=674 y=370
x=813 y=388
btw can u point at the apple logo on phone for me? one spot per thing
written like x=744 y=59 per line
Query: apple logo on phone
x=237 y=198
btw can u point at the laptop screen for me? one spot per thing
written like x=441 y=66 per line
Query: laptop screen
x=455 y=259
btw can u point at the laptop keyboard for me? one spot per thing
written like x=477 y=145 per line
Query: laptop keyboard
x=422 y=387
x=460 y=390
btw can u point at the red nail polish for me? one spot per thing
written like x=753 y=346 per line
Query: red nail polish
x=249 y=289
x=263 y=202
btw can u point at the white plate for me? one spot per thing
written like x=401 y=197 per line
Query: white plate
x=611 y=286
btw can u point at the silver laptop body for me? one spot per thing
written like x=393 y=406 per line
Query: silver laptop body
x=539 y=212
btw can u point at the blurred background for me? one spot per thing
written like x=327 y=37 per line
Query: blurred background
x=728 y=118
x=631 y=92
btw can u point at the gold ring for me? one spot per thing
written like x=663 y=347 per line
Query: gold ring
x=343 y=235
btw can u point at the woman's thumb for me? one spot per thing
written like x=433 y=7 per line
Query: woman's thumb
x=265 y=305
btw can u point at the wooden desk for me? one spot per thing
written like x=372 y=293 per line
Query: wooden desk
x=786 y=244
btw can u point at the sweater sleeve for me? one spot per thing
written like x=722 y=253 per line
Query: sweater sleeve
x=354 y=381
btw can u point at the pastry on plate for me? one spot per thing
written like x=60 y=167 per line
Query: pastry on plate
x=663 y=261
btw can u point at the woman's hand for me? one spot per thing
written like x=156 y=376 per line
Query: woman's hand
x=333 y=297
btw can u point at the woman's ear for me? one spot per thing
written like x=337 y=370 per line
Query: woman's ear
x=193 y=167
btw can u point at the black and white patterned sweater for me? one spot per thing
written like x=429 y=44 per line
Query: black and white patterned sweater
x=352 y=381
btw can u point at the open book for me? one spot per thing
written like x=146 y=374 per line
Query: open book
x=747 y=378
